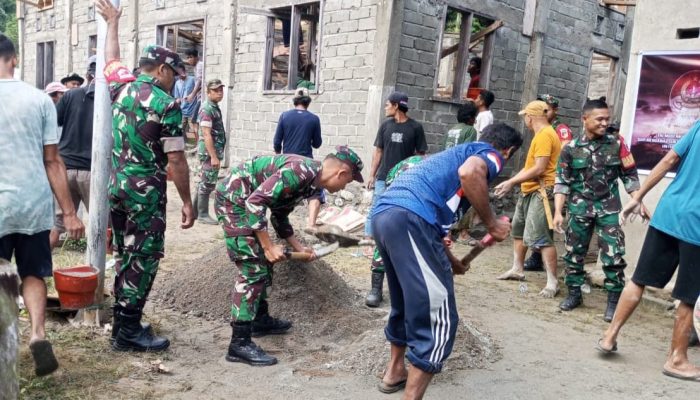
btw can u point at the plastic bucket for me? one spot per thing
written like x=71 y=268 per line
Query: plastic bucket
x=76 y=286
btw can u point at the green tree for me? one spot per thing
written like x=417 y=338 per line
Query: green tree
x=8 y=20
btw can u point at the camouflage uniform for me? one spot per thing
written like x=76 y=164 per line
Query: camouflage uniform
x=242 y=199
x=146 y=125
x=587 y=173
x=377 y=263
x=277 y=183
x=210 y=117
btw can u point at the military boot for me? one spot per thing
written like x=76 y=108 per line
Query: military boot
x=573 y=300
x=374 y=297
x=243 y=349
x=613 y=298
x=203 y=210
x=116 y=323
x=534 y=263
x=264 y=324
x=132 y=337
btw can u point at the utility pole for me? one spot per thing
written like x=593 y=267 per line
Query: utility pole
x=99 y=173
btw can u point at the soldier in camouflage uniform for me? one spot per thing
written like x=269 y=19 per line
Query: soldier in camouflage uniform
x=210 y=148
x=147 y=131
x=587 y=182
x=277 y=183
x=374 y=297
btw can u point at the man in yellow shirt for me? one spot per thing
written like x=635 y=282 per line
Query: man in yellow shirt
x=533 y=214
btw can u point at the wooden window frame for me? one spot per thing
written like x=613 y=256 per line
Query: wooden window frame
x=44 y=70
x=293 y=69
x=610 y=94
x=458 y=85
x=42 y=5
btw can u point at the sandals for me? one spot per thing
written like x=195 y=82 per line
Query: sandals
x=44 y=360
x=693 y=378
x=388 y=389
x=603 y=350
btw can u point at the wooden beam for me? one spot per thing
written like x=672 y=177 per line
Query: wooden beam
x=630 y=3
x=269 y=48
x=474 y=40
x=293 y=71
x=462 y=57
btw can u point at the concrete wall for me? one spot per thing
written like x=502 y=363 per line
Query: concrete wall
x=568 y=47
x=654 y=30
x=346 y=53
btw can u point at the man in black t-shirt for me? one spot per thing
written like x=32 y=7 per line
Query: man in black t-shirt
x=74 y=114
x=398 y=137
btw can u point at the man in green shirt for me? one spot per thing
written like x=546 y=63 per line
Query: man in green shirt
x=464 y=131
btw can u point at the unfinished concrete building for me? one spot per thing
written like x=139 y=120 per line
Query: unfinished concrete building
x=352 y=54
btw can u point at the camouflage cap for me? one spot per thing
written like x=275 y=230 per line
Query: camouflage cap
x=549 y=99
x=349 y=157
x=214 y=84
x=160 y=55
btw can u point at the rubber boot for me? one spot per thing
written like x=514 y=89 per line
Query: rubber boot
x=116 y=323
x=613 y=298
x=573 y=300
x=534 y=263
x=203 y=210
x=132 y=337
x=243 y=349
x=374 y=297
x=264 y=324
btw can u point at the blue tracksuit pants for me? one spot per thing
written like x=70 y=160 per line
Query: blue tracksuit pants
x=423 y=312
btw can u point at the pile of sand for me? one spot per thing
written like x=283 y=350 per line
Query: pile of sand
x=333 y=330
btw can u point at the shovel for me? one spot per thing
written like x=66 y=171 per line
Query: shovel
x=333 y=234
x=320 y=252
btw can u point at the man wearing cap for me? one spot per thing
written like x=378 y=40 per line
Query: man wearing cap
x=277 y=183
x=55 y=90
x=147 y=130
x=587 y=184
x=563 y=130
x=299 y=132
x=72 y=80
x=534 y=262
x=75 y=112
x=210 y=148
x=410 y=221
x=532 y=222
x=398 y=138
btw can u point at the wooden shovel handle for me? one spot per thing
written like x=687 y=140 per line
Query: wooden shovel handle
x=297 y=255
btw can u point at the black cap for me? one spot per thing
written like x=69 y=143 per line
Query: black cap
x=399 y=98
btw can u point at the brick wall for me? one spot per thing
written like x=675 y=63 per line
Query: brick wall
x=215 y=12
x=568 y=46
x=346 y=54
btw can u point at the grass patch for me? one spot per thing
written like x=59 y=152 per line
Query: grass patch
x=88 y=367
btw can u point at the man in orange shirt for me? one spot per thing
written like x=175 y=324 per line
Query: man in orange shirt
x=532 y=220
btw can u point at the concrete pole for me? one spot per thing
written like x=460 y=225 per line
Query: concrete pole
x=100 y=171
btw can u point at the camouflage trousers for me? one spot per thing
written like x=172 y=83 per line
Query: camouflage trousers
x=208 y=176
x=138 y=253
x=377 y=262
x=611 y=240
x=254 y=282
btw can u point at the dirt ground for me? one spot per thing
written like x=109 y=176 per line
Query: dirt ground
x=511 y=343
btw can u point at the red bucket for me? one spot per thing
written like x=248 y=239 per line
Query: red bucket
x=76 y=286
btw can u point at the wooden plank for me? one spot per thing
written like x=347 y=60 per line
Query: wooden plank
x=529 y=17
x=293 y=70
x=465 y=31
x=631 y=3
x=486 y=61
x=474 y=40
x=269 y=48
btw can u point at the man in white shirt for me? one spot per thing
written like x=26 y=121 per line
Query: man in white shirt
x=485 y=116
x=30 y=135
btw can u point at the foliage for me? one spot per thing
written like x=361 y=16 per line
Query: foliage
x=8 y=20
x=454 y=21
